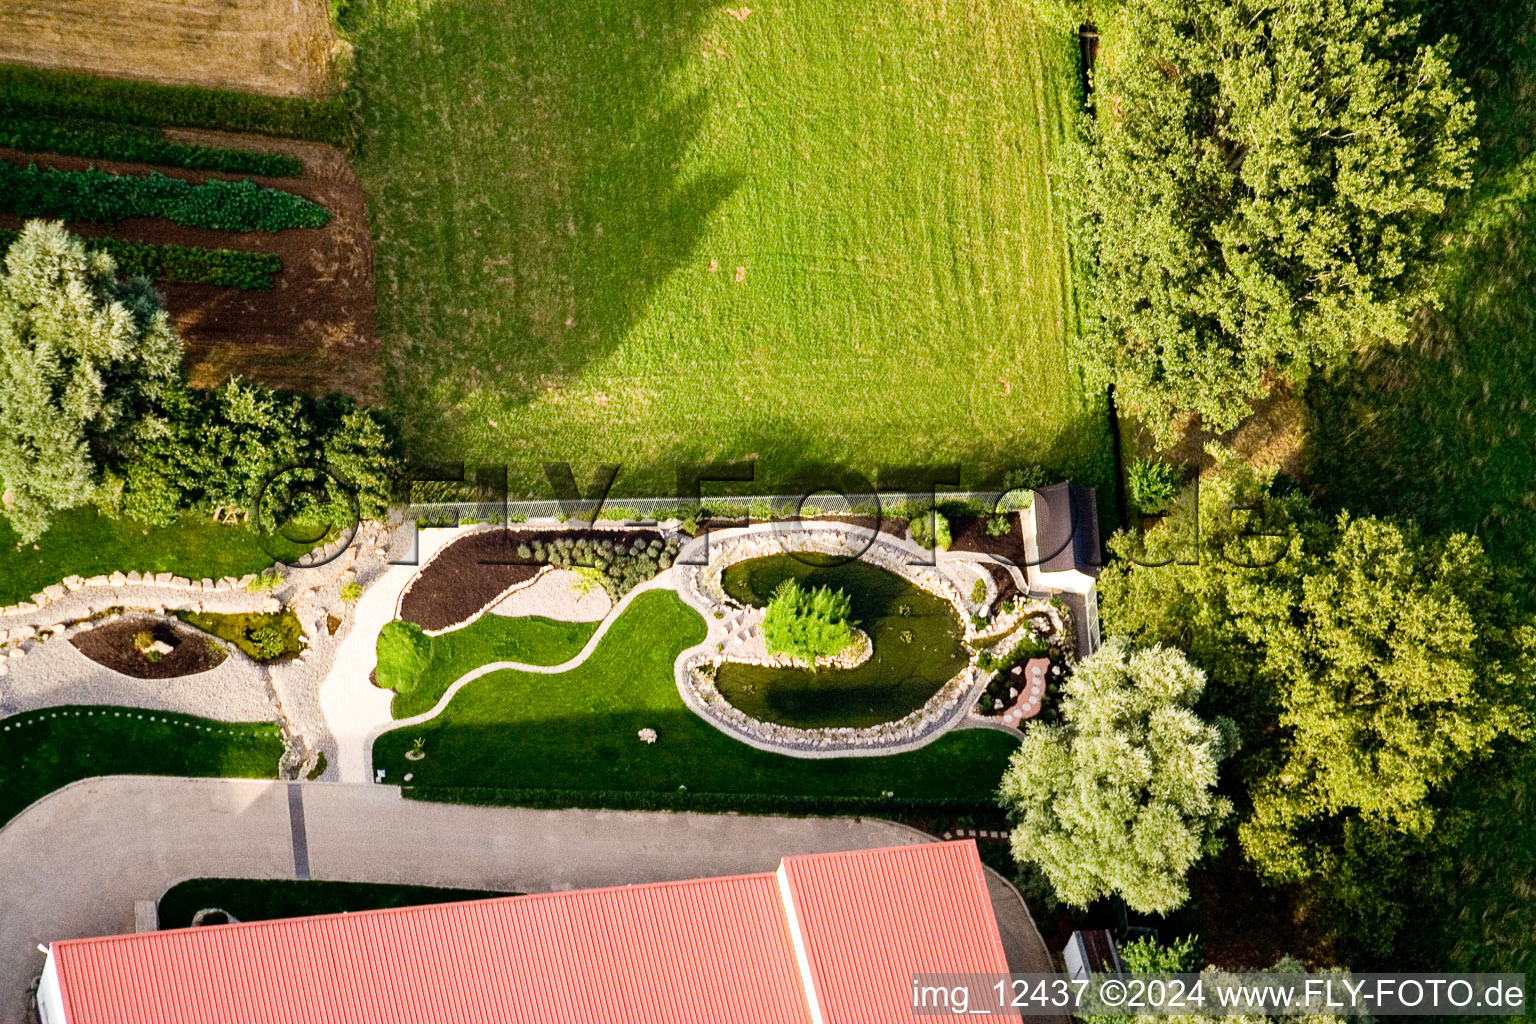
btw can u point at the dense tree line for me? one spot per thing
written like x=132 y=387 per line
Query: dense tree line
x=1257 y=192
x=94 y=409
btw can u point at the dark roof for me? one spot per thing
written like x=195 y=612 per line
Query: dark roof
x=1103 y=956
x=1067 y=529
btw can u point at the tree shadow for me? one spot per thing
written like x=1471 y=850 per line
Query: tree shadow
x=523 y=165
x=1441 y=430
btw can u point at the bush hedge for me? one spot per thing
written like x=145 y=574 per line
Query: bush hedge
x=226 y=268
x=28 y=92
x=710 y=803
x=108 y=198
x=145 y=145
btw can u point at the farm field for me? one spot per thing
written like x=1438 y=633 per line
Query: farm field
x=277 y=47
x=805 y=232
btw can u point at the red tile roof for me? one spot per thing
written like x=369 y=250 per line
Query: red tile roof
x=713 y=951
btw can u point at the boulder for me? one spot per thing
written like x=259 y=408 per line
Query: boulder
x=117 y=579
x=132 y=577
x=54 y=591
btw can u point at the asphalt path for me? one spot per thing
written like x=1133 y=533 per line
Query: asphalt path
x=74 y=863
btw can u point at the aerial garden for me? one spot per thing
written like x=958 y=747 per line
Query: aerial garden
x=831 y=241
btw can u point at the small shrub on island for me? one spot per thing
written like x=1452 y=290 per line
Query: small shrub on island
x=351 y=591
x=807 y=624
x=404 y=652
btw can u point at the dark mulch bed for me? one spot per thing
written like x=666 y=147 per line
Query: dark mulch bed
x=471 y=572
x=111 y=644
x=969 y=533
x=1007 y=589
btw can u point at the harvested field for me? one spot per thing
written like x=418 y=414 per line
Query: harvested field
x=276 y=47
x=112 y=645
x=471 y=573
x=314 y=330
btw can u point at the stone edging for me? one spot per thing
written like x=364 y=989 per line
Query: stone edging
x=700 y=587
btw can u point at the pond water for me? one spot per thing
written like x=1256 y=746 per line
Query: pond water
x=918 y=647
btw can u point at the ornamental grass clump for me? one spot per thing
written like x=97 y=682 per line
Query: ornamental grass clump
x=807 y=624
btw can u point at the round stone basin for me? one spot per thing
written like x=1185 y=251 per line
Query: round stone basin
x=918 y=647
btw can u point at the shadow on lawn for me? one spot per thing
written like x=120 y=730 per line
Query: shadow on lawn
x=1442 y=429
x=529 y=151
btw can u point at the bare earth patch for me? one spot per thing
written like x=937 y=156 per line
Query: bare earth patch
x=277 y=47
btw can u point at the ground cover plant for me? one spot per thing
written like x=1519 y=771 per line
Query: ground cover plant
x=188 y=264
x=270 y=899
x=918 y=646
x=530 y=639
x=92 y=195
x=706 y=235
x=264 y=636
x=41 y=751
x=574 y=738
x=142 y=145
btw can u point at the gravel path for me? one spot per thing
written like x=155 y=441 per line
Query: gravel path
x=556 y=595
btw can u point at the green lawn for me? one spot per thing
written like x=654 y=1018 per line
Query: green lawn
x=80 y=542
x=260 y=899
x=579 y=731
x=562 y=195
x=41 y=751
x=531 y=639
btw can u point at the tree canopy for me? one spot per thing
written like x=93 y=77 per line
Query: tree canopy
x=1120 y=798
x=84 y=357
x=1367 y=665
x=1257 y=192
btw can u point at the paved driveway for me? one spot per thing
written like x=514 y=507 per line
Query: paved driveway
x=74 y=863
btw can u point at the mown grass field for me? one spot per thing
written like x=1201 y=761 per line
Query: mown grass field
x=530 y=640
x=812 y=232
x=579 y=730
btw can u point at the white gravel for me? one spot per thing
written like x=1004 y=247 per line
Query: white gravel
x=557 y=595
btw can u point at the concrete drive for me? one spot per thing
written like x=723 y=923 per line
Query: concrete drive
x=74 y=862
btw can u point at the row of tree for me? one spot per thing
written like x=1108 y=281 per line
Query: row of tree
x=95 y=410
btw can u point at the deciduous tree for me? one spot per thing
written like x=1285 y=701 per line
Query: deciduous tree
x=1121 y=797
x=83 y=357
x=1257 y=191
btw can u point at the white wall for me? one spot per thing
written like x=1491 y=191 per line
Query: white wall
x=50 y=1003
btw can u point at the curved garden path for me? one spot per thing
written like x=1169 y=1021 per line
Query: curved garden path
x=359 y=712
x=78 y=859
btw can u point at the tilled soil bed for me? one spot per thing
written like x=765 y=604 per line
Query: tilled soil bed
x=474 y=571
x=314 y=331
x=111 y=644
